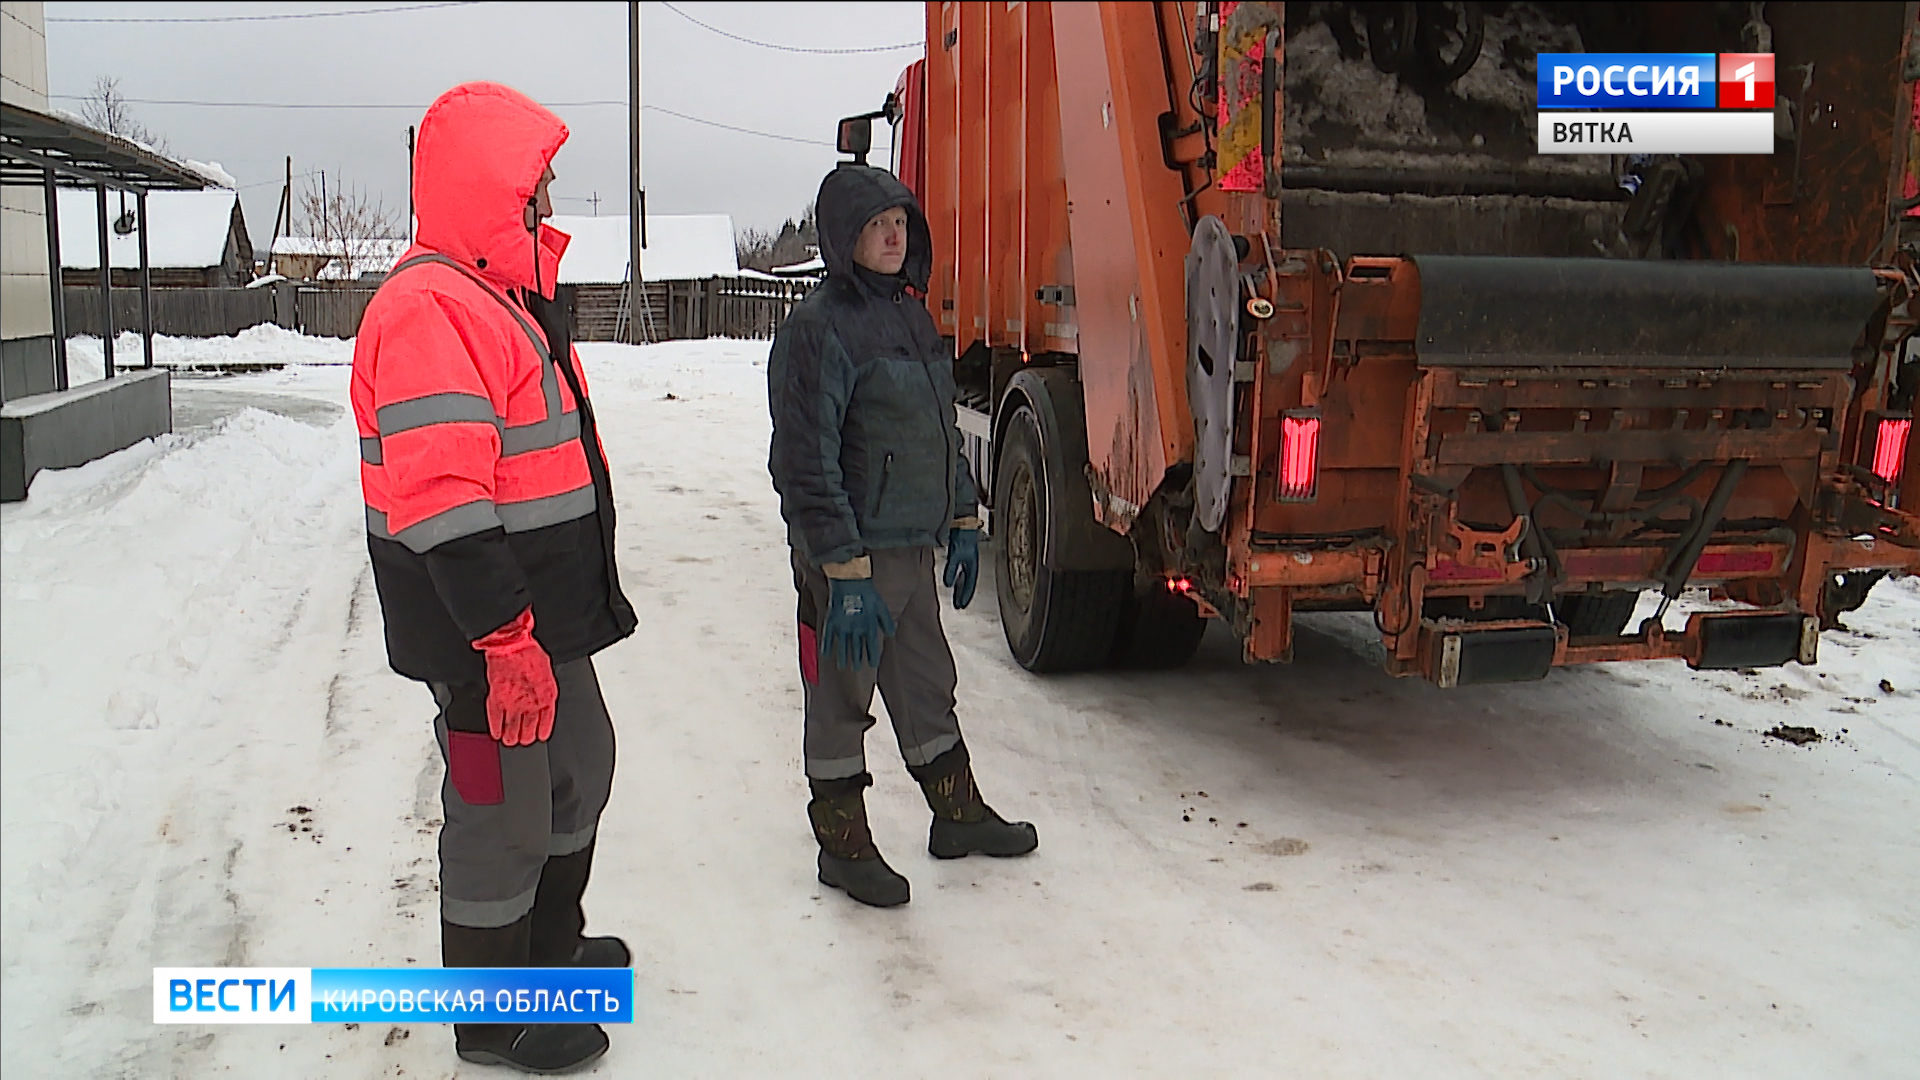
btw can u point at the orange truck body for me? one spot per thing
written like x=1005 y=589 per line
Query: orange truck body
x=1468 y=436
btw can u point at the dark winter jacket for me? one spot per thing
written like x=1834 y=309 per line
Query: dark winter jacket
x=866 y=454
x=485 y=482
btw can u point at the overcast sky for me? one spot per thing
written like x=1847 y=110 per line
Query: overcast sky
x=555 y=52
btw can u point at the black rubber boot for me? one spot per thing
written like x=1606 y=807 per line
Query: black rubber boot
x=545 y=1049
x=963 y=824
x=558 y=918
x=848 y=859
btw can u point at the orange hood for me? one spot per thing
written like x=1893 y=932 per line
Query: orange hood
x=482 y=149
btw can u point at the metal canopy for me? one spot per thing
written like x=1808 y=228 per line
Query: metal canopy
x=32 y=142
x=44 y=151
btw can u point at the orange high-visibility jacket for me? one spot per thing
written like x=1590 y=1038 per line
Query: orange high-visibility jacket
x=485 y=491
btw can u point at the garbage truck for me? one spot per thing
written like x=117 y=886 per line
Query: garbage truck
x=1260 y=309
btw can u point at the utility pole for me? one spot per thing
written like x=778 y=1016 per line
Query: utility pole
x=409 y=183
x=283 y=214
x=636 y=204
x=596 y=204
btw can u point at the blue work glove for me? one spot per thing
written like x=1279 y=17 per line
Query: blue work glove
x=963 y=564
x=857 y=622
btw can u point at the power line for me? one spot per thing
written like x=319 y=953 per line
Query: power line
x=418 y=108
x=277 y=180
x=277 y=18
x=730 y=127
x=309 y=105
x=790 y=48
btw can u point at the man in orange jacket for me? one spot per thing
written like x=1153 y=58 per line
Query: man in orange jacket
x=490 y=525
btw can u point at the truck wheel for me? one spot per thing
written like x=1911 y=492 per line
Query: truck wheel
x=1604 y=615
x=1847 y=591
x=1054 y=621
x=1158 y=631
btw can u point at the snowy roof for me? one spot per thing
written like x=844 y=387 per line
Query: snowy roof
x=371 y=256
x=815 y=265
x=189 y=229
x=680 y=247
x=305 y=245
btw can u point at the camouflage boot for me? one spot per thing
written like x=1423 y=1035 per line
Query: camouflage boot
x=848 y=859
x=963 y=824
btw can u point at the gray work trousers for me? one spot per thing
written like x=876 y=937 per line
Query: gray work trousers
x=916 y=676
x=508 y=808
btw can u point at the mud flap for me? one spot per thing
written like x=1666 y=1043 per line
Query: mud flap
x=1472 y=657
x=1753 y=641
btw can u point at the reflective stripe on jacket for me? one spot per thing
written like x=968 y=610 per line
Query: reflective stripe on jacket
x=473 y=427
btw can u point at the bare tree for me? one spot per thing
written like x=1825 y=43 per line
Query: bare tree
x=106 y=108
x=753 y=249
x=355 y=228
x=796 y=240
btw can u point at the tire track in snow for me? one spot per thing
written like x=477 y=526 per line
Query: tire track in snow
x=221 y=693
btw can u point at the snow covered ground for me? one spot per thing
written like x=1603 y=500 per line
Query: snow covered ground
x=1311 y=870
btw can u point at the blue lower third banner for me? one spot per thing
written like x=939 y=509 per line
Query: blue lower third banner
x=419 y=995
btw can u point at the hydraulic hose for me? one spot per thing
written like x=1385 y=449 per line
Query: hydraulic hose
x=1535 y=542
x=1679 y=565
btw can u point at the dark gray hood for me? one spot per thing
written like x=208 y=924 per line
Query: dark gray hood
x=849 y=197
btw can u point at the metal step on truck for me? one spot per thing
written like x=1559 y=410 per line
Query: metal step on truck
x=1262 y=309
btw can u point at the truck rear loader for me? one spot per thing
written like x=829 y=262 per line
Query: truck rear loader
x=1262 y=309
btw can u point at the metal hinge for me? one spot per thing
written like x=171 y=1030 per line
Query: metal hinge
x=1240 y=465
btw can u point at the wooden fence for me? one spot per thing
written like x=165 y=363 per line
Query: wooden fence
x=671 y=310
x=326 y=312
x=178 y=312
x=677 y=310
x=332 y=312
x=752 y=307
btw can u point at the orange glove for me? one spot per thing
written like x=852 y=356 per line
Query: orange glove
x=520 y=688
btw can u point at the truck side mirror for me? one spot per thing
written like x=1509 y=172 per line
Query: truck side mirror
x=856 y=137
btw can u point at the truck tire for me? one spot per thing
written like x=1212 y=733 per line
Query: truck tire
x=1054 y=620
x=1605 y=615
x=1158 y=631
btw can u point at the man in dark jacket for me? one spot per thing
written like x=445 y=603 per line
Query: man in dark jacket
x=866 y=457
x=490 y=526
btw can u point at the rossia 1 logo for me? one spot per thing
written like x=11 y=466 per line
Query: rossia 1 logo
x=1746 y=80
x=1683 y=103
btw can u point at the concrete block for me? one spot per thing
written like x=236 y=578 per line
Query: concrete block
x=26 y=366
x=68 y=428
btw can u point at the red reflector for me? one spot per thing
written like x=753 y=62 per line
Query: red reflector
x=1299 y=456
x=1890 y=449
x=1448 y=570
x=1734 y=562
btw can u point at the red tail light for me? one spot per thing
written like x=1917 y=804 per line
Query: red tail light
x=1890 y=448
x=1299 y=455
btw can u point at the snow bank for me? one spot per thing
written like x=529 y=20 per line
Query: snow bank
x=266 y=343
